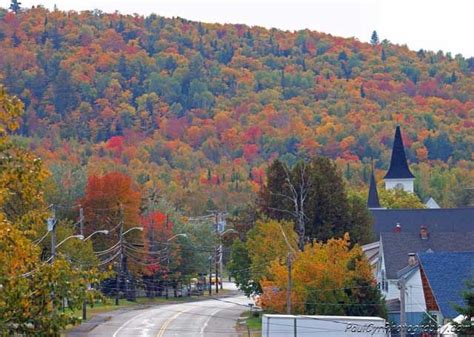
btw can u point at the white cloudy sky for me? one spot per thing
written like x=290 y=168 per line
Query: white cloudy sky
x=429 y=24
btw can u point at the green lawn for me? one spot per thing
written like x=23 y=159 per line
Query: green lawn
x=251 y=325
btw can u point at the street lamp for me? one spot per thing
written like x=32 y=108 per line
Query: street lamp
x=53 y=246
x=184 y=235
x=131 y=229
x=97 y=232
x=80 y=237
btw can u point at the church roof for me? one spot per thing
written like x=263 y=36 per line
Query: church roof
x=397 y=246
x=435 y=219
x=373 y=200
x=398 y=164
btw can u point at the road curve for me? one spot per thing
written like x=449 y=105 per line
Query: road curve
x=209 y=318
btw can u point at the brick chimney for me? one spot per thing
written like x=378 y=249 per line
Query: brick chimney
x=411 y=259
x=398 y=228
x=424 y=235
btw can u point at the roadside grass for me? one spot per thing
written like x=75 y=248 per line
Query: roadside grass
x=250 y=324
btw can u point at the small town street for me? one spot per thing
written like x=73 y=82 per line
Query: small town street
x=213 y=317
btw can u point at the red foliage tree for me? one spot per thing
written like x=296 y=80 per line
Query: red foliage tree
x=108 y=200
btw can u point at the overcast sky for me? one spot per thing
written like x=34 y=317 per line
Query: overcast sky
x=428 y=24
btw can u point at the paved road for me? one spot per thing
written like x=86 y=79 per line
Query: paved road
x=209 y=318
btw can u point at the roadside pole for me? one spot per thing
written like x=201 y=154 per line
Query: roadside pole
x=217 y=254
x=210 y=275
x=52 y=228
x=81 y=226
x=221 y=263
x=402 y=287
x=120 y=266
x=288 y=290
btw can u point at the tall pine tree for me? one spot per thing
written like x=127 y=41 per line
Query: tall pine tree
x=374 y=39
x=15 y=6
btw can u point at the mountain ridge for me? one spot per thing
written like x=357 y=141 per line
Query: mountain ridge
x=177 y=98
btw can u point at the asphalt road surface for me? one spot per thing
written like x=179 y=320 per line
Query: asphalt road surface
x=209 y=318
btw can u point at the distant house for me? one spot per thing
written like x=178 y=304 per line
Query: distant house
x=397 y=259
x=444 y=277
x=431 y=203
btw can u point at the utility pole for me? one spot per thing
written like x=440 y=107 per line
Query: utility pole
x=288 y=289
x=402 y=287
x=118 y=278
x=221 y=264
x=217 y=254
x=210 y=275
x=288 y=263
x=52 y=228
x=81 y=220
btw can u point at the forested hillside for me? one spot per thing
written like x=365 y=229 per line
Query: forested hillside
x=196 y=111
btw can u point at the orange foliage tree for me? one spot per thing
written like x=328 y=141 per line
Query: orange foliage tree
x=328 y=278
x=108 y=200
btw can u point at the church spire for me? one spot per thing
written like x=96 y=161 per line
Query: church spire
x=373 y=200
x=398 y=164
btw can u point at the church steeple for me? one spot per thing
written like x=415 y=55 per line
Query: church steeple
x=399 y=174
x=398 y=164
x=373 y=200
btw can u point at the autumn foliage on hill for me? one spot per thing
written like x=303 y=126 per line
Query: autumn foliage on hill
x=167 y=99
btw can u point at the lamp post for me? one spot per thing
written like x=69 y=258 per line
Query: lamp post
x=119 y=274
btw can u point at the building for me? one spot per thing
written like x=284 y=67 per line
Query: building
x=434 y=283
x=407 y=235
x=397 y=259
x=399 y=174
x=444 y=276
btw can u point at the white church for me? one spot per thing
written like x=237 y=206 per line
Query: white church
x=403 y=234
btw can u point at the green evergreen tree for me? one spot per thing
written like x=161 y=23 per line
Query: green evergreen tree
x=374 y=39
x=466 y=327
x=328 y=212
x=328 y=207
x=362 y=92
x=272 y=199
x=15 y=6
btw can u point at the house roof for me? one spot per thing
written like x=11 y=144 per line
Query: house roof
x=398 y=163
x=397 y=246
x=435 y=219
x=446 y=274
x=373 y=200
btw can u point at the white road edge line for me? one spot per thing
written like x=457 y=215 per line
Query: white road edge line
x=207 y=321
x=126 y=323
